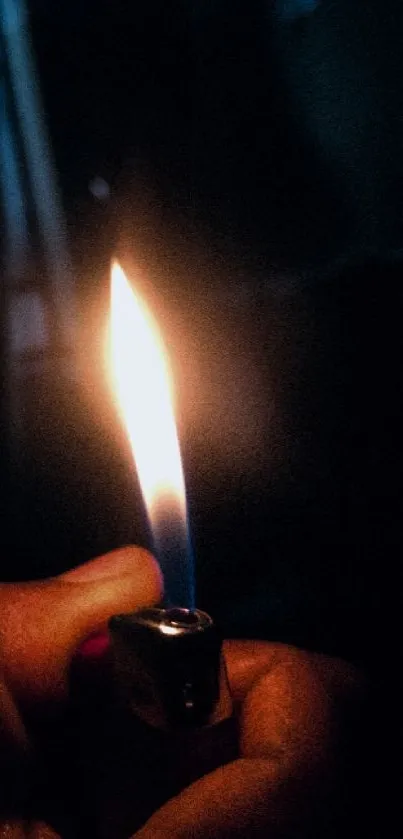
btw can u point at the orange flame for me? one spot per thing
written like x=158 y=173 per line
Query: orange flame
x=143 y=388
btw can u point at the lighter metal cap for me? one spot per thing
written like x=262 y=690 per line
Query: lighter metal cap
x=169 y=666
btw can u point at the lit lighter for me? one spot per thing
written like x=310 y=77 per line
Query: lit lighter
x=173 y=704
x=171 y=719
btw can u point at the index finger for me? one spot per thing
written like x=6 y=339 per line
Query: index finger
x=248 y=660
x=291 y=703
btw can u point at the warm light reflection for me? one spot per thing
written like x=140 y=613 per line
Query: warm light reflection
x=142 y=384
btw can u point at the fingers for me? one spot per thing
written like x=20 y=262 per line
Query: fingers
x=292 y=701
x=247 y=798
x=284 y=783
x=288 y=714
x=247 y=661
x=287 y=780
x=43 y=623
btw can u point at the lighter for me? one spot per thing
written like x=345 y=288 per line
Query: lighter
x=166 y=718
x=170 y=667
x=162 y=719
x=173 y=700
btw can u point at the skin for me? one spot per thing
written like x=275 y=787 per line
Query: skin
x=294 y=708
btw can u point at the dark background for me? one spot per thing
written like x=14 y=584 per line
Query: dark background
x=254 y=157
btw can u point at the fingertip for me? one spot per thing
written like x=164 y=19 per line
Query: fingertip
x=142 y=565
x=141 y=561
x=127 y=560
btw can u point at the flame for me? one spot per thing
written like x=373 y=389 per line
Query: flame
x=143 y=389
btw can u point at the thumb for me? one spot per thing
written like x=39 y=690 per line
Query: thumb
x=42 y=623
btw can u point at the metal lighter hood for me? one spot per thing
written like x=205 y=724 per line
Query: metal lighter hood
x=170 y=667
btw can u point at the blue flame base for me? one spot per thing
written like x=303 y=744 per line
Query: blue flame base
x=172 y=548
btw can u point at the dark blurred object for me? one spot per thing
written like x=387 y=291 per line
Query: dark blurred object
x=281 y=132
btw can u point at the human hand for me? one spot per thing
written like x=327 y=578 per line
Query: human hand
x=292 y=708
x=298 y=762
x=41 y=626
